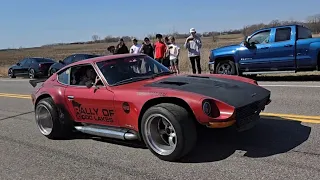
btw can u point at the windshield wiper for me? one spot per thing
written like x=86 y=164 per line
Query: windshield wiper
x=133 y=79
x=161 y=74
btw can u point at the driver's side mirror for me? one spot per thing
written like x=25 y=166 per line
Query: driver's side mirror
x=61 y=62
x=248 y=44
x=18 y=64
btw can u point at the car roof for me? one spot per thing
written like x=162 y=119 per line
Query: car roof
x=105 y=58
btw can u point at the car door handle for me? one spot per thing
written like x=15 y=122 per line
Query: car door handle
x=265 y=48
x=70 y=97
x=288 y=45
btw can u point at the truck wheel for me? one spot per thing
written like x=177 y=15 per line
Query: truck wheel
x=48 y=122
x=226 y=67
x=168 y=131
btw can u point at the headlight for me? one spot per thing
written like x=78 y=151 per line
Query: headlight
x=206 y=107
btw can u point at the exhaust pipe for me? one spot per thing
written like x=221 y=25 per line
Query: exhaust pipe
x=108 y=132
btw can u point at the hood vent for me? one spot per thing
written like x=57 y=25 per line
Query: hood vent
x=173 y=83
x=202 y=77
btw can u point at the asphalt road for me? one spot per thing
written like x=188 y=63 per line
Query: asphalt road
x=277 y=148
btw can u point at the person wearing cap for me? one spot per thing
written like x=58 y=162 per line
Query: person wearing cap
x=121 y=48
x=135 y=48
x=193 y=44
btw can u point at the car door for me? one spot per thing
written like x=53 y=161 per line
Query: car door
x=18 y=69
x=282 y=49
x=89 y=105
x=258 y=57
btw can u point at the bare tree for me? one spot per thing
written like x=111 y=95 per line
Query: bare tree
x=95 y=38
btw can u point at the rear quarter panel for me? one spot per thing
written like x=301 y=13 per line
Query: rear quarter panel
x=307 y=52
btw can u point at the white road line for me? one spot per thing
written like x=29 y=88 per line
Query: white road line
x=282 y=85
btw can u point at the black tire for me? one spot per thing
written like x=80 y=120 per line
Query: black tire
x=229 y=63
x=184 y=127
x=32 y=74
x=59 y=130
x=11 y=73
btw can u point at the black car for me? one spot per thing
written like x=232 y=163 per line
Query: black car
x=68 y=60
x=31 y=67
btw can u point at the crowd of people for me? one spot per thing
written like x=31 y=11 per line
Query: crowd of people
x=165 y=51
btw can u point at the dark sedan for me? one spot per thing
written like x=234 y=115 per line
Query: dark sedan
x=68 y=60
x=31 y=67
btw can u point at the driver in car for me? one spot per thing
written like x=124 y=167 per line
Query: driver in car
x=89 y=77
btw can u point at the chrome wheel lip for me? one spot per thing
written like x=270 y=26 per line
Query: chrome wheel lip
x=44 y=119
x=155 y=145
x=224 y=70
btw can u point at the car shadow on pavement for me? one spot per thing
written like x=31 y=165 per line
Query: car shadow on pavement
x=269 y=137
x=288 y=78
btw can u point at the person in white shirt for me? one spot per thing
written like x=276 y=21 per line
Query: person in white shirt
x=135 y=48
x=174 y=52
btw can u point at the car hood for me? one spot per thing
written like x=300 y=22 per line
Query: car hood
x=227 y=48
x=233 y=92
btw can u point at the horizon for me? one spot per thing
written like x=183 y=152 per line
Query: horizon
x=60 y=22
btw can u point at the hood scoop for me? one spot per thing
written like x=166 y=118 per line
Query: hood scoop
x=202 y=77
x=173 y=83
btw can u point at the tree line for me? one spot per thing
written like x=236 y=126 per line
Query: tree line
x=312 y=22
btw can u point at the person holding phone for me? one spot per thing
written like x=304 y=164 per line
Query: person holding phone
x=193 y=44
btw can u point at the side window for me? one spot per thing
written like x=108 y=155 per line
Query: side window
x=82 y=74
x=27 y=62
x=283 y=34
x=23 y=62
x=262 y=37
x=64 y=77
x=304 y=33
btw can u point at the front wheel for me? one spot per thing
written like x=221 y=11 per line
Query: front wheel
x=168 y=131
x=226 y=67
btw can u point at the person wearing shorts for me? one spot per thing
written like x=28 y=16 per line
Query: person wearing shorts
x=174 y=51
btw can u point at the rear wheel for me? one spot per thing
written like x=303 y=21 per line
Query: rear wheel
x=32 y=73
x=168 y=131
x=48 y=122
x=226 y=67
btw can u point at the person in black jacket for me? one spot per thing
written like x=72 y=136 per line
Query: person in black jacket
x=121 y=48
x=147 y=48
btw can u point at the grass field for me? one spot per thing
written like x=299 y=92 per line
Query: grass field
x=9 y=57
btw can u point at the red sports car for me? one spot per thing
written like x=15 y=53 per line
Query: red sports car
x=133 y=97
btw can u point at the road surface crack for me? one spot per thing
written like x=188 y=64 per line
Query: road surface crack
x=15 y=116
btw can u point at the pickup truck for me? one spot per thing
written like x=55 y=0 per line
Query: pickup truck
x=280 y=49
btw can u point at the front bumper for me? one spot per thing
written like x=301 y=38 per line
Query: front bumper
x=211 y=67
x=245 y=117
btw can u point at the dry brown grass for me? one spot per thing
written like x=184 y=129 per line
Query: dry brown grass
x=10 y=57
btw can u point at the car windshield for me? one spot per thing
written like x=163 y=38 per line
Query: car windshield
x=131 y=69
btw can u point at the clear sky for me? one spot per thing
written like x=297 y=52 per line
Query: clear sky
x=26 y=23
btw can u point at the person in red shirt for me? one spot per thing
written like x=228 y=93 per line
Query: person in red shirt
x=160 y=49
